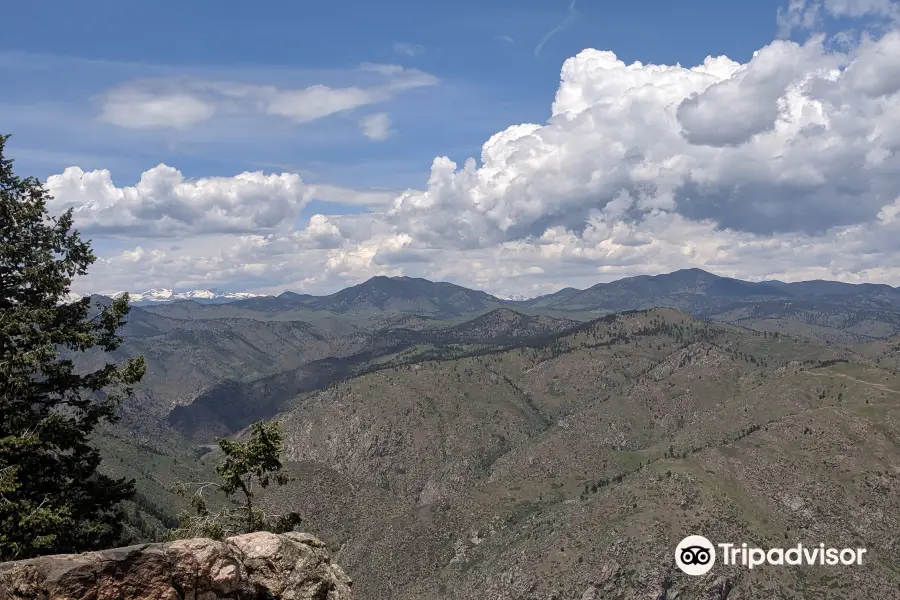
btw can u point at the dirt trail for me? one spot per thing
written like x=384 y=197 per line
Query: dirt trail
x=851 y=378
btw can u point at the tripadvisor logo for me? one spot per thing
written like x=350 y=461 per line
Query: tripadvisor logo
x=696 y=555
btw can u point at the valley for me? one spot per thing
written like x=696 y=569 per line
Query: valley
x=449 y=444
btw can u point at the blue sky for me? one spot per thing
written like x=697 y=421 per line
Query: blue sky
x=311 y=145
x=63 y=53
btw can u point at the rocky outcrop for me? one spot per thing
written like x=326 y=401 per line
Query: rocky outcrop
x=255 y=566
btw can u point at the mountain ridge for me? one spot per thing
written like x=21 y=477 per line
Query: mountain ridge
x=702 y=281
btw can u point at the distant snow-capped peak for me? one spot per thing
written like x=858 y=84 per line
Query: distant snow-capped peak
x=167 y=295
x=70 y=298
x=516 y=297
x=157 y=294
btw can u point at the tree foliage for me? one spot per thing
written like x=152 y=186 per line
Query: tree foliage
x=52 y=497
x=247 y=466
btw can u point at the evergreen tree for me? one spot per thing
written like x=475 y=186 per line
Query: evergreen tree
x=246 y=465
x=52 y=497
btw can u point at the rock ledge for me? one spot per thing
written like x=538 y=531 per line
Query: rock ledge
x=255 y=566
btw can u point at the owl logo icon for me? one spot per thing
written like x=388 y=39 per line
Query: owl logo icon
x=695 y=555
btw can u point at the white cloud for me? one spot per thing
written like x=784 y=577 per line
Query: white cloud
x=183 y=102
x=376 y=127
x=863 y=8
x=876 y=71
x=800 y=14
x=809 y=14
x=787 y=142
x=786 y=166
x=139 y=109
x=166 y=204
x=302 y=106
x=323 y=257
x=746 y=103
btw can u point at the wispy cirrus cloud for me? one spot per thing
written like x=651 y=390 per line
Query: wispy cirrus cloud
x=569 y=18
x=180 y=103
x=145 y=109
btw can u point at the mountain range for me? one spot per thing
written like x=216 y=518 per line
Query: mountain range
x=833 y=311
x=449 y=444
x=408 y=294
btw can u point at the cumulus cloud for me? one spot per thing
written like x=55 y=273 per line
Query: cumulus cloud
x=606 y=249
x=790 y=141
x=734 y=109
x=184 y=102
x=165 y=204
x=876 y=71
x=809 y=14
x=863 y=8
x=785 y=166
x=321 y=233
x=799 y=14
x=376 y=127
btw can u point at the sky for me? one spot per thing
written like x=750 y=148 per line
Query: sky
x=515 y=146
